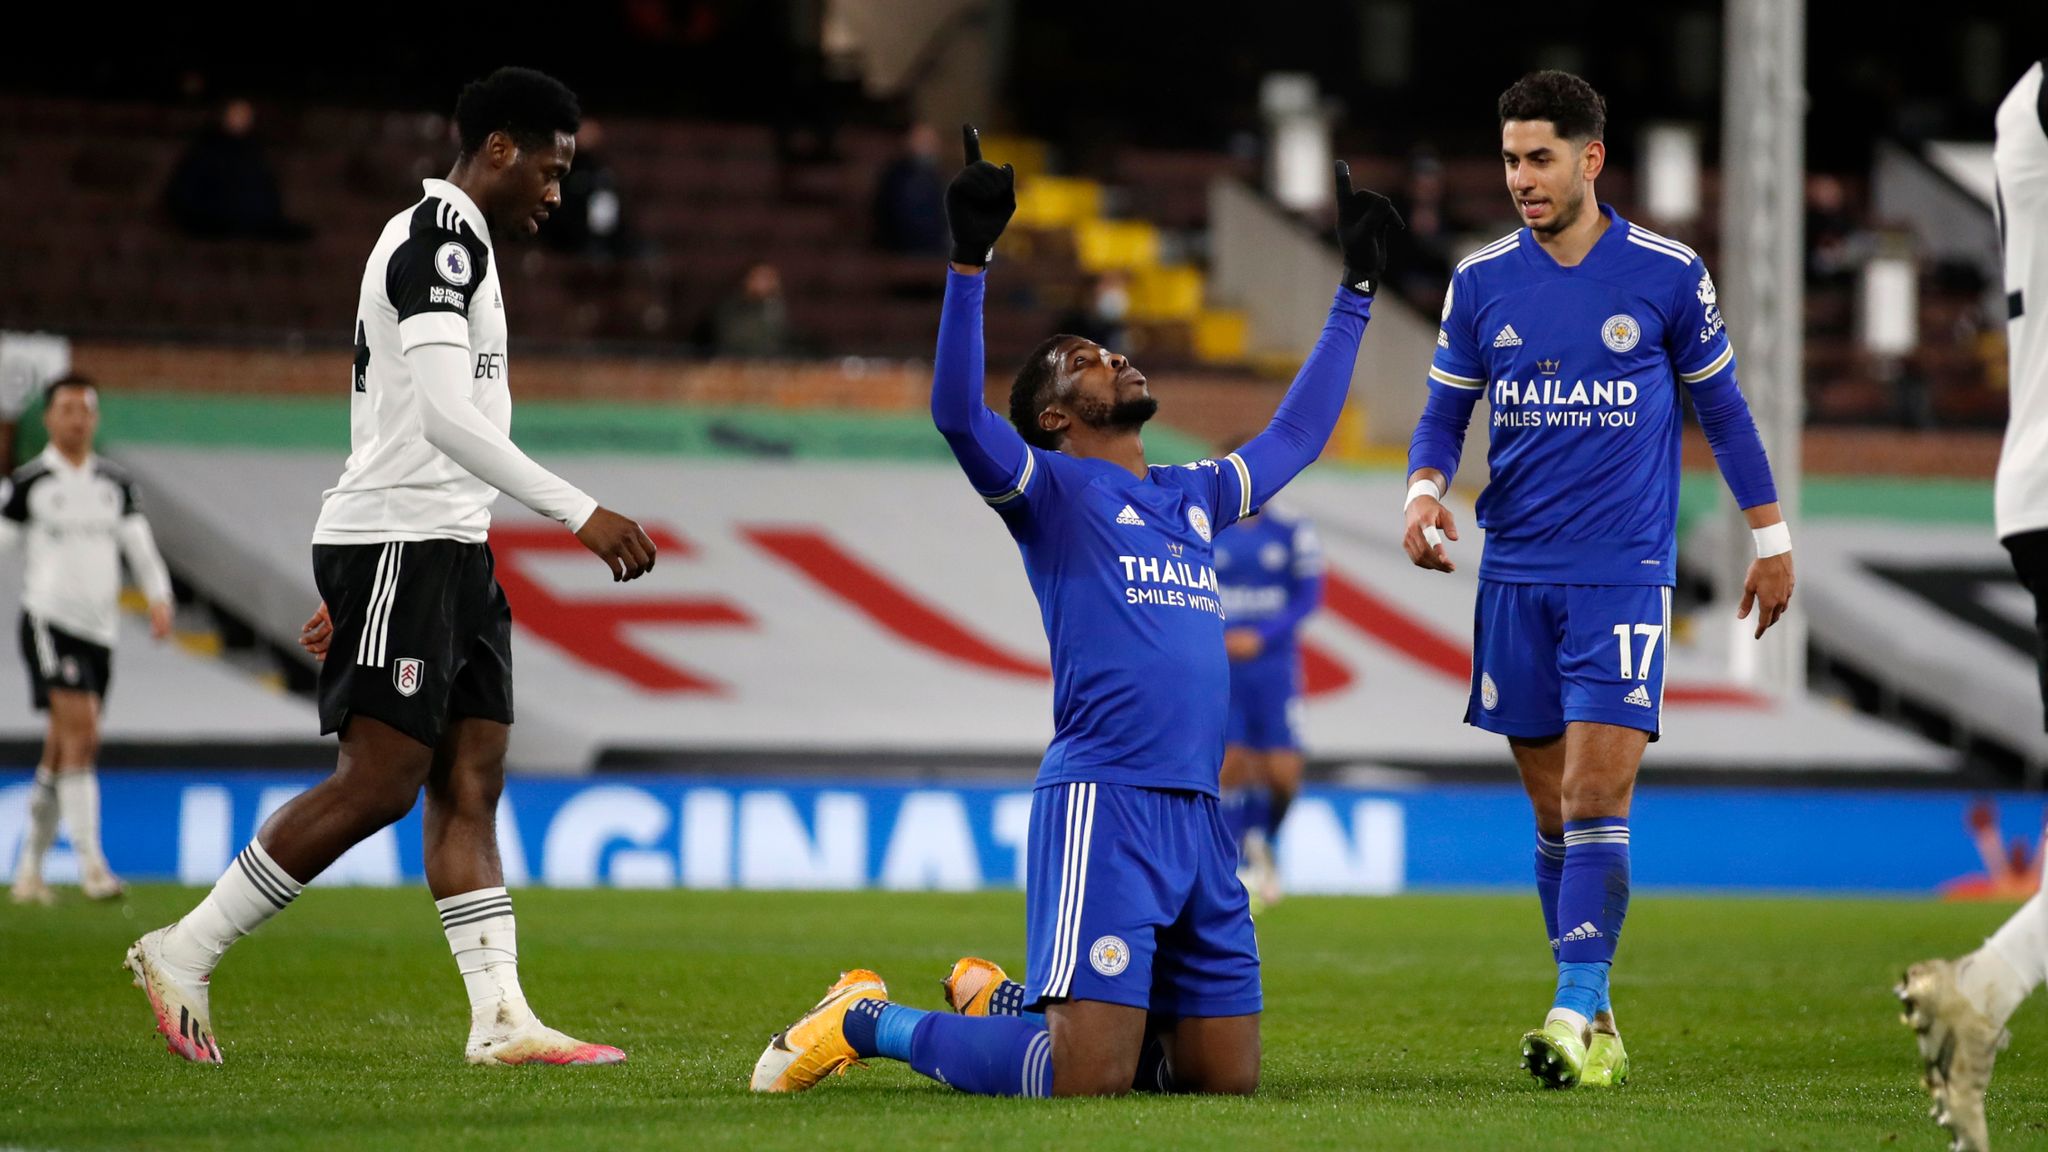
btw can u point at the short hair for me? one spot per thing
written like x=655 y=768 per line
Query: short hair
x=1027 y=392
x=529 y=106
x=1568 y=102
x=70 y=380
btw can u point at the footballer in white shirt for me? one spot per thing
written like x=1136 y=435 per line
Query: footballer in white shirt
x=75 y=515
x=1959 y=1008
x=414 y=633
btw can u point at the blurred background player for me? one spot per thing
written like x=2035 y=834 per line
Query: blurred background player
x=1959 y=1009
x=1579 y=327
x=1135 y=919
x=1271 y=569
x=419 y=685
x=77 y=515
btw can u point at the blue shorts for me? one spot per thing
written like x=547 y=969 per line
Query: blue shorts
x=1265 y=705
x=1132 y=897
x=1547 y=655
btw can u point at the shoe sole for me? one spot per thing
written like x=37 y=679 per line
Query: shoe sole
x=582 y=1055
x=204 y=1050
x=1936 y=1040
x=1547 y=1063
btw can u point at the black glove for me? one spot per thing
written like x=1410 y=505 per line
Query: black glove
x=979 y=203
x=1362 y=220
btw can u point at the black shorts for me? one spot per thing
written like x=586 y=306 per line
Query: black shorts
x=2030 y=561
x=422 y=635
x=59 y=659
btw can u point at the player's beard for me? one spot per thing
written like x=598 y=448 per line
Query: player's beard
x=1119 y=416
x=1563 y=215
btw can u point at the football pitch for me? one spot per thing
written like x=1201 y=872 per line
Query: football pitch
x=1390 y=1023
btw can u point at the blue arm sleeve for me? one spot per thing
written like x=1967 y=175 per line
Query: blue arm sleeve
x=995 y=458
x=1308 y=413
x=1731 y=431
x=1302 y=599
x=1439 y=440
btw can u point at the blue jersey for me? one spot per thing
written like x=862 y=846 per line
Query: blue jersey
x=1269 y=565
x=1124 y=570
x=1580 y=367
x=1123 y=565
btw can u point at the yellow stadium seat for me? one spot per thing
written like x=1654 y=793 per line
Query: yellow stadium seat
x=1222 y=335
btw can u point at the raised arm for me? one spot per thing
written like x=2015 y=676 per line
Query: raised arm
x=979 y=203
x=1308 y=413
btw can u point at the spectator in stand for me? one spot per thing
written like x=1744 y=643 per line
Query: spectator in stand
x=1836 y=243
x=910 y=197
x=754 y=322
x=591 y=220
x=223 y=186
x=1420 y=252
x=1103 y=312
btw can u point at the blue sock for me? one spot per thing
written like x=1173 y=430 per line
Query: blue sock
x=1592 y=903
x=1581 y=987
x=1008 y=1000
x=1276 y=811
x=984 y=1055
x=878 y=1028
x=1258 y=812
x=1549 y=875
x=1236 y=815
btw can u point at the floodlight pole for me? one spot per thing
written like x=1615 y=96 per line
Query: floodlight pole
x=1761 y=285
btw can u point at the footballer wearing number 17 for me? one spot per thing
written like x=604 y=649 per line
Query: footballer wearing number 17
x=1578 y=328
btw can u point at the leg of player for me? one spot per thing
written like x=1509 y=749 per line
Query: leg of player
x=1247 y=808
x=1215 y=1054
x=985 y=1055
x=1284 y=768
x=375 y=782
x=76 y=716
x=28 y=886
x=1959 y=1010
x=468 y=886
x=1592 y=902
x=1541 y=764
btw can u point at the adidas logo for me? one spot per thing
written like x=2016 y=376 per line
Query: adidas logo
x=1584 y=931
x=1130 y=516
x=1507 y=338
x=1639 y=697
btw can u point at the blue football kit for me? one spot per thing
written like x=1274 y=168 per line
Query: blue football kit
x=1130 y=877
x=1581 y=367
x=1271 y=567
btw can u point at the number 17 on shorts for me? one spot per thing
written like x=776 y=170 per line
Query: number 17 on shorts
x=1547 y=655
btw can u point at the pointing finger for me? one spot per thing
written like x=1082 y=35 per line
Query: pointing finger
x=1343 y=181
x=971 y=136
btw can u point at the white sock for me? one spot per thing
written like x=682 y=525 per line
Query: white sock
x=486 y=947
x=1579 y=1023
x=252 y=890
x=2012 y=963
x=42 y=826
x=78 y=798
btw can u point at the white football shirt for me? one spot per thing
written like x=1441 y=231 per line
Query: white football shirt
x=2020 y=159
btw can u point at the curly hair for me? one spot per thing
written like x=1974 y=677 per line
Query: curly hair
x=526 y=105
x=1566 y=101
x=1028 y=392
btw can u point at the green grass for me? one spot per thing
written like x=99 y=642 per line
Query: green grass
x=1391 y=1023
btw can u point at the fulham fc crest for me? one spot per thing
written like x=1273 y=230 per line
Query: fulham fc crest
x=406 y=674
